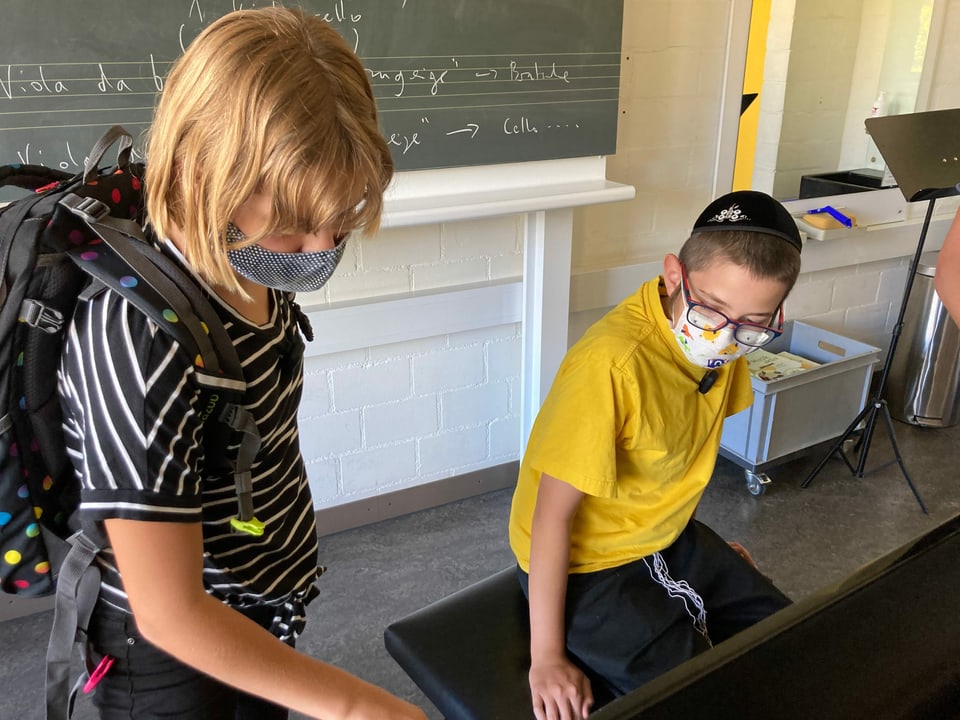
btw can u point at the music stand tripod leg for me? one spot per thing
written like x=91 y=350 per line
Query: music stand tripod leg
x=838 y=443
x=867 y=437
x=896 y=452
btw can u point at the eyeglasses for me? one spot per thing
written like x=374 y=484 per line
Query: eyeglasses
x=705 y=317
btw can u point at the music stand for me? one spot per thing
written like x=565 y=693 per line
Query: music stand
x=921 y=151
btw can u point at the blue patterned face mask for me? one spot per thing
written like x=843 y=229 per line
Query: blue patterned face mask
x=291 y=272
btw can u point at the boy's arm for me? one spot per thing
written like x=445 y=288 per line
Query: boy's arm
x=161 y=564
x=947 y=274
x=558 y=688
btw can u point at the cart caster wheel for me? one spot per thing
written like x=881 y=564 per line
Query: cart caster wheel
x=850 y=447
x=756 y=482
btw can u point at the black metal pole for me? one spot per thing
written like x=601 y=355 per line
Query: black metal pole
x=898 y=328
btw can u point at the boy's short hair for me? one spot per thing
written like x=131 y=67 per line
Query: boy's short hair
x=269 y=101
x=749 y=229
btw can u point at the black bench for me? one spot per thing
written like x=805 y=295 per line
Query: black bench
x=470 y=652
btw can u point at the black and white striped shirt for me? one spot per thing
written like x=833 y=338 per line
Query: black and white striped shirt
x=133 y=432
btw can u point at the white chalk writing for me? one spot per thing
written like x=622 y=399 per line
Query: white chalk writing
x=469 y=102
x=471 y=128
x=518 y=74
x=64 y=158
x=405 y=142
x=29 y=80
x=519 y=127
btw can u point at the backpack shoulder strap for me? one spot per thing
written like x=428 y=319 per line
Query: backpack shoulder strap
x=78 y=586
x=130 y=265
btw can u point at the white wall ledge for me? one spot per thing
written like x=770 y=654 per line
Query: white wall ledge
x=425 y=197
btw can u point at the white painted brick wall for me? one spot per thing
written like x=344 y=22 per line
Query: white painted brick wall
x=500 y=237
x=474 y=405
x=810 y=297
x=449 y=274
x=409 y=349
x=370 y=283
x=462 y=450
x=860 y=301
x=402 y=247
x=400 y=415
x=354 y=387
x=329 y=435
x=404 y=420
x=457 y=368
x=503 y=359
x=324 y=478
x=315 y=400
x=505 y=438
x=857 y=289
x=380 y=468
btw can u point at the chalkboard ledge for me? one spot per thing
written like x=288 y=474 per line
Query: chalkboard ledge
x=433 y=196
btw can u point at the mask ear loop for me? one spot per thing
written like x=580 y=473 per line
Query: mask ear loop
x=678 y=293
x=234 y=234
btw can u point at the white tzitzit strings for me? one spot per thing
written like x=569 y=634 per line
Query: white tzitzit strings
x=680 y=589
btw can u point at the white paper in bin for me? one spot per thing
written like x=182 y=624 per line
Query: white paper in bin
x=796 y=412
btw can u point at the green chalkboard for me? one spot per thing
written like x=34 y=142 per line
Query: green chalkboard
x=458 y=82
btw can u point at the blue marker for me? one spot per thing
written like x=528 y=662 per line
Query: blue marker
x=834 y=213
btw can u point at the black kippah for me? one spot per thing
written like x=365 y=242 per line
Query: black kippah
x=752 y=211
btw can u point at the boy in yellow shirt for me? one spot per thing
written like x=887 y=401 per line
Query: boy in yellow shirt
x=623 y=583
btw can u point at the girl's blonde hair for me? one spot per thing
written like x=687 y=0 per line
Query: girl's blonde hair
x=269 y=101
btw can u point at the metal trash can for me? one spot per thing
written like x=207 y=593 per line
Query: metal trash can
x=924 y=383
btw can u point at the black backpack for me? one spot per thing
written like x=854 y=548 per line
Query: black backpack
x=73 y=237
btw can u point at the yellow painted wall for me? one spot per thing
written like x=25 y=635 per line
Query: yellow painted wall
x=752 y=82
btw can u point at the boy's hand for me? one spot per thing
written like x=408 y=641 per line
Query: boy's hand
x=742 y=552
x=560 y=691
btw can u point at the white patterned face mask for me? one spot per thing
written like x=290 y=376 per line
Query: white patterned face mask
x=707 y=348
x=291 y=272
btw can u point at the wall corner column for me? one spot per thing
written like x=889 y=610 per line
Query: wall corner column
x=548 y=243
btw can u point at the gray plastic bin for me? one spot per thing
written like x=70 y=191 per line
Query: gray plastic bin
x=925 y=372
x=792 y=414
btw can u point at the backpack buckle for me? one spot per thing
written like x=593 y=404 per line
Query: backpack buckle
x=87 y=208
x=250 y=527
x=35 y=314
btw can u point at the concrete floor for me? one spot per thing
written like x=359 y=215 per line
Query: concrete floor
x=804 y=539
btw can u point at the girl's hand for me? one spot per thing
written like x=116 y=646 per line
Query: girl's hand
x=378 y=704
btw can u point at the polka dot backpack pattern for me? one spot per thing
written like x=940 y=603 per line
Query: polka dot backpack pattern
x=53 y=243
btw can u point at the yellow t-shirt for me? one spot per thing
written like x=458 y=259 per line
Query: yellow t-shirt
x=625 y=424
